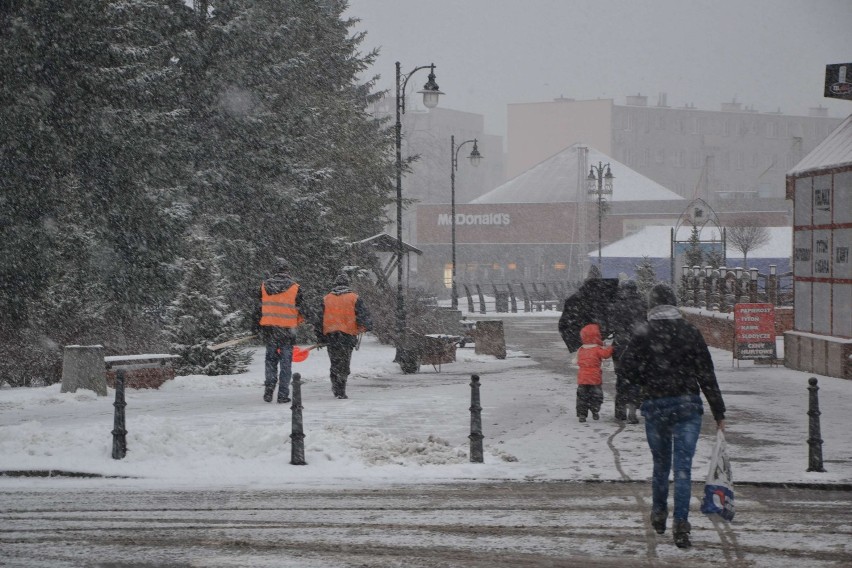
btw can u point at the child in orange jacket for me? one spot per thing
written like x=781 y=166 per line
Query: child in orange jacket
x=589 y=376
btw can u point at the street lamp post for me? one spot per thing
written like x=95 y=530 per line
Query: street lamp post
x=430 y=93
x=474 y=158
x=600 y=184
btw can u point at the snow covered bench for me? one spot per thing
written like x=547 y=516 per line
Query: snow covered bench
x=147 y=371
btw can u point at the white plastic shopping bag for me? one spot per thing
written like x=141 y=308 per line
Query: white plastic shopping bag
x=719 y=487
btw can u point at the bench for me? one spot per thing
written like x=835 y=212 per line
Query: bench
x=146 y=371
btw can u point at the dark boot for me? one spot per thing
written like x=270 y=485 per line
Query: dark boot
x=658 y=521
x=335 y=386
x=681 y=533
x=267 y=393
x=341 y=387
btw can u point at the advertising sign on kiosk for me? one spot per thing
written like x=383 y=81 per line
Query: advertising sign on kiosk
x=754 y=331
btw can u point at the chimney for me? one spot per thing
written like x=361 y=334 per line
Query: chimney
x=732 y=106
x=638 y=100
x=661 y=100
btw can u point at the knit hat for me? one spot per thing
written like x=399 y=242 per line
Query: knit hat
x=341 y=280
x=661 y=295
x=281 y=264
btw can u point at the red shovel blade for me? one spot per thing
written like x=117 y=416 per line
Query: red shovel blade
x=299 y=354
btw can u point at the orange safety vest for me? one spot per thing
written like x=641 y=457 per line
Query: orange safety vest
x=339 y=313
x=279 y=310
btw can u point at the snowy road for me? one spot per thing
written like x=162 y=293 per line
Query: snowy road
x=207 y=480
x=480 y=525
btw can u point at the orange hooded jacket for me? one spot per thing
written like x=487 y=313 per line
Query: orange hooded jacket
x=590 y=355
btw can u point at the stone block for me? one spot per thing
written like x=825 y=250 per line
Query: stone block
x=490 y=338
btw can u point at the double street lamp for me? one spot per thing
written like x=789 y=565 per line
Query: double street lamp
x=430 y=92
x=600 y=183
x=474 y=158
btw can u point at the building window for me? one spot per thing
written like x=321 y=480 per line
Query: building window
x=822 y=199
x=512 y=266
x=559 y=266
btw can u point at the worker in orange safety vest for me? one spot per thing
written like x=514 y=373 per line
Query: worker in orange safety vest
x=282 y=310
x=344 y=317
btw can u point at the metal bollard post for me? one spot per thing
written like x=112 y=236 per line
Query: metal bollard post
x=475 y=422
x=297 y=437
x=119 y=434
x=814 y=439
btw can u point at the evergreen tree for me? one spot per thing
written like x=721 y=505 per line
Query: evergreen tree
x=199 y=317
x=646 y=276
x=694 y=256
x=283 y=132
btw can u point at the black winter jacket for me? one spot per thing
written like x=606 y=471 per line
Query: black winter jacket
x=668 y=357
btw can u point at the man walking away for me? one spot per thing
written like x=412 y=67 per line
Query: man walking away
x=282 y=310
x=344 y=316
x=629 y=313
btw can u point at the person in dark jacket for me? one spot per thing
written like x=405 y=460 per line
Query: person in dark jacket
x=282 y=309
x=626 y=315
x=589 y=304
x=344 y=317
x=668 y=358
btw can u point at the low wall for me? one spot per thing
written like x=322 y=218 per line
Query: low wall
x=718 y=328
x=820 y=354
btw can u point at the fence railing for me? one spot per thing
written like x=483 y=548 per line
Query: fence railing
x=514 y=297
x=721 y=288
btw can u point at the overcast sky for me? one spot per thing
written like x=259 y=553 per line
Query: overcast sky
x=490 y=53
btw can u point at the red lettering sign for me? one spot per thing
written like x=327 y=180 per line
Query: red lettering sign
x=754 y=328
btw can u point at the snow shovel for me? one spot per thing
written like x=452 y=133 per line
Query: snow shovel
x=300 y=354
x=230 y=343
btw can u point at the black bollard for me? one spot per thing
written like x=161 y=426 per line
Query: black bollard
x=814 y=436
x=297 y=437
x=475 y=422
x=119 y=434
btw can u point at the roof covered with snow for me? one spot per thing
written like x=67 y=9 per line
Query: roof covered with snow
x=655 y=242
x=833 y=152
x=562 y=178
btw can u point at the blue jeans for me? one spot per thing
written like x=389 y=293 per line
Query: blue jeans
x=279 y=353
x=672 y=426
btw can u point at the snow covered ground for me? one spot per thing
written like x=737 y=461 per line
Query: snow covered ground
x=199 y=431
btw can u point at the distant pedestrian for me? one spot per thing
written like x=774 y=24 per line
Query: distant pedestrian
x=589 y=375
x=627 y=314
x=282 y=310
x=344 y=317
x=670 y=361
x=590 y=304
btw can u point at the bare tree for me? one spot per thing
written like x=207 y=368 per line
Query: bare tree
x=744 y=236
